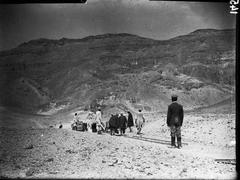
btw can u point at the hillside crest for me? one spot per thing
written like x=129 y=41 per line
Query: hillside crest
x=121 y=70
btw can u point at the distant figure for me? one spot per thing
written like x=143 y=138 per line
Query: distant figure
x=174 y=121
x=99 y=121
x=94 y=127
x=75 y=118
x=130 y=121
x=113 y=124
x=119 y=123
x=122 y=123
x=79 y=124
x=60 y=126
x=117 y=115
x=75 y=121
x=107 y=126
x=91 y=121
x=139 y=121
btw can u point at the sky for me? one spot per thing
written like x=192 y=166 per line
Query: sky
x=153 y=19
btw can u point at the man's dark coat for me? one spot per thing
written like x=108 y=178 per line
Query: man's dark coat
x=114 y=122
x=130 y=120
x=175 y=114
x=122 y=122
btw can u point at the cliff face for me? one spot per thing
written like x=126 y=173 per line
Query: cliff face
x=124 y=69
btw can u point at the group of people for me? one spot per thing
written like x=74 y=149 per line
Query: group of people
x=118 y=123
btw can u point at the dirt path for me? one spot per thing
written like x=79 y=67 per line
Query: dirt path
x=192 y=148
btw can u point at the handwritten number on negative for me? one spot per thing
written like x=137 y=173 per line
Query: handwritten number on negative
x=233 y=7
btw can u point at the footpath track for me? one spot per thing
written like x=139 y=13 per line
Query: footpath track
x=148 y=139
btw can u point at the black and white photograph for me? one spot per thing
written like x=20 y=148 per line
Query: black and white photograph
x=118 y=89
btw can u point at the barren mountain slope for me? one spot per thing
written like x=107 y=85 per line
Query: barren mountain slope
x=119 y=68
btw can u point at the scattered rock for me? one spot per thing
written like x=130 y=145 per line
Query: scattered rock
x=147 y=167
x=116 y=161
x=49 y=159
x=70 y=151
x=149 y=174
x=17 y=166
x=4 y=177
x=53 y=172
x=138 y=164
x=141 y=170
x=30 y=172
x=30 y=146
x=128 y=166
x=166 y=165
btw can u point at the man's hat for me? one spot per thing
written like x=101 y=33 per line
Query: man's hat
x=174 y=96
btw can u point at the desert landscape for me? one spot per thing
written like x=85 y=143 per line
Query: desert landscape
x=44 y=82
x=39 y=149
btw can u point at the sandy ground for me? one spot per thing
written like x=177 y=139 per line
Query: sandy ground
x=43 y=152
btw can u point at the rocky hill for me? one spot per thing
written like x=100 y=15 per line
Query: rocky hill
x=122 y=71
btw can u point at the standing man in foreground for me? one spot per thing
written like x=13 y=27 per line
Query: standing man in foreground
x=174 y=121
